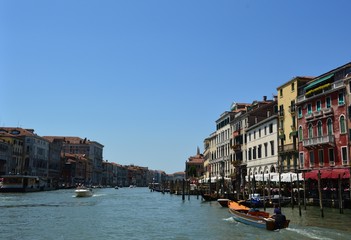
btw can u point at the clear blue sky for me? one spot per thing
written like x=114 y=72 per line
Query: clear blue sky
x=148 y=79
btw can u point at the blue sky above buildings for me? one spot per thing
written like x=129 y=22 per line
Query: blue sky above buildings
x=148 y=79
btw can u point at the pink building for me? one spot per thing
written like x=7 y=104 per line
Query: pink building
x=323 y=135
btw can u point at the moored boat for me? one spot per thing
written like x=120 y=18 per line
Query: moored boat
x=257 y=201
x=21 y=183
x=210 y=197
x=223 y=202
x=256 y=218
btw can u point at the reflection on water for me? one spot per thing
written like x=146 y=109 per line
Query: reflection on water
x=139 y=214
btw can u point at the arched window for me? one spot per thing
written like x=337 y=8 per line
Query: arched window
x=319 y=129
x=310 y=131
x=300 y=134
x=342 y=124
x=330 y=126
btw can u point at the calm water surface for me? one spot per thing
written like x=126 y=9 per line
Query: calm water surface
x=137 y=213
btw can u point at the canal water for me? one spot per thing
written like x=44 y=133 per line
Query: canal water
x=137 y=213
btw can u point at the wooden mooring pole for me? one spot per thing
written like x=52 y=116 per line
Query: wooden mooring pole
x=183 y=190
x=340 y=195
x=320 y=194
x=298 y=194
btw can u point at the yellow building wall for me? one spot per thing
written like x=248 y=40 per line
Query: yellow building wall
x=289 y=94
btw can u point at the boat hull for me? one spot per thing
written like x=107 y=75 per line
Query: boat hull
x=258 y=219
x=83 y=193
x=223 y=202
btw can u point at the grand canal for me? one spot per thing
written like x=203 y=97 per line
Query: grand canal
x=137 y=213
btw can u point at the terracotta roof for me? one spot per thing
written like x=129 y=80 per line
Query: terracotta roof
x=15 y=131
x=67 y=139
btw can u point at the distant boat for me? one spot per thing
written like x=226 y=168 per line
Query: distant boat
x=83 y=192
x=255 y=217
x=21 y=183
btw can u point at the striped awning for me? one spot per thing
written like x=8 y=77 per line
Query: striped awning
x=316 y=82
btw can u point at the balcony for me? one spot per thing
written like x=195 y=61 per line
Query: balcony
x=327 y=111
x=319 y=141
x=287 y=148
x=236 y=147
x=309 y=116
x=318 y=113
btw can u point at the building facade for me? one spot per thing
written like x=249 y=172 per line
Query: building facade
x=287 y=123
x=322 y=112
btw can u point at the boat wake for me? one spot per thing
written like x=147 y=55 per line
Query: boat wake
x=230 y=219
x=313 y=233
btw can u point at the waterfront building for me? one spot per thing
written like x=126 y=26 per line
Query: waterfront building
x=262 y=144
x=6 y=163
x=122 y=174
x=55 y=163
x=92 y=150
x=323 y=135
x=75 y=170
x=287 y=123
x=261 y=138
x=34 y=149
x=236 y=143
x=107 y=174
x=220 y=165
x=209 y=155
x=11 y=153
x=194 y=167
x=256 y=112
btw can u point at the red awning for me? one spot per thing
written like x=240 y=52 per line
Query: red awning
x=328 y=173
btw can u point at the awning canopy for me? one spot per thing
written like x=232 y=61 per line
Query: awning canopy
x=323 y=79
x=328 y=174
x=274 y=177
x=213 y=179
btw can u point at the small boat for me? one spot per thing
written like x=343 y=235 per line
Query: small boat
x=223 y=202
x=21 y=183
x=83 y=192
x=254 y=217
x=257 y=201
x=210 y=197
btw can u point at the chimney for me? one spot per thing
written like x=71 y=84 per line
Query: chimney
x=264 y=98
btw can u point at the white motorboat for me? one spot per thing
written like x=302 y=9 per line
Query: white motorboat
x=83 y=192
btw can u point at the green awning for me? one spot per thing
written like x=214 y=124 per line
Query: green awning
x=315 y=83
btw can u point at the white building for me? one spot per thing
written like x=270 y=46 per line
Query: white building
x=262 y=147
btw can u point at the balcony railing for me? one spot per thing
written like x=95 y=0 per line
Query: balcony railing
x=236 y=147
x=327 y=111
x=309 y=116
x=328 y=139
x=318 y=113
x=287 y=148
